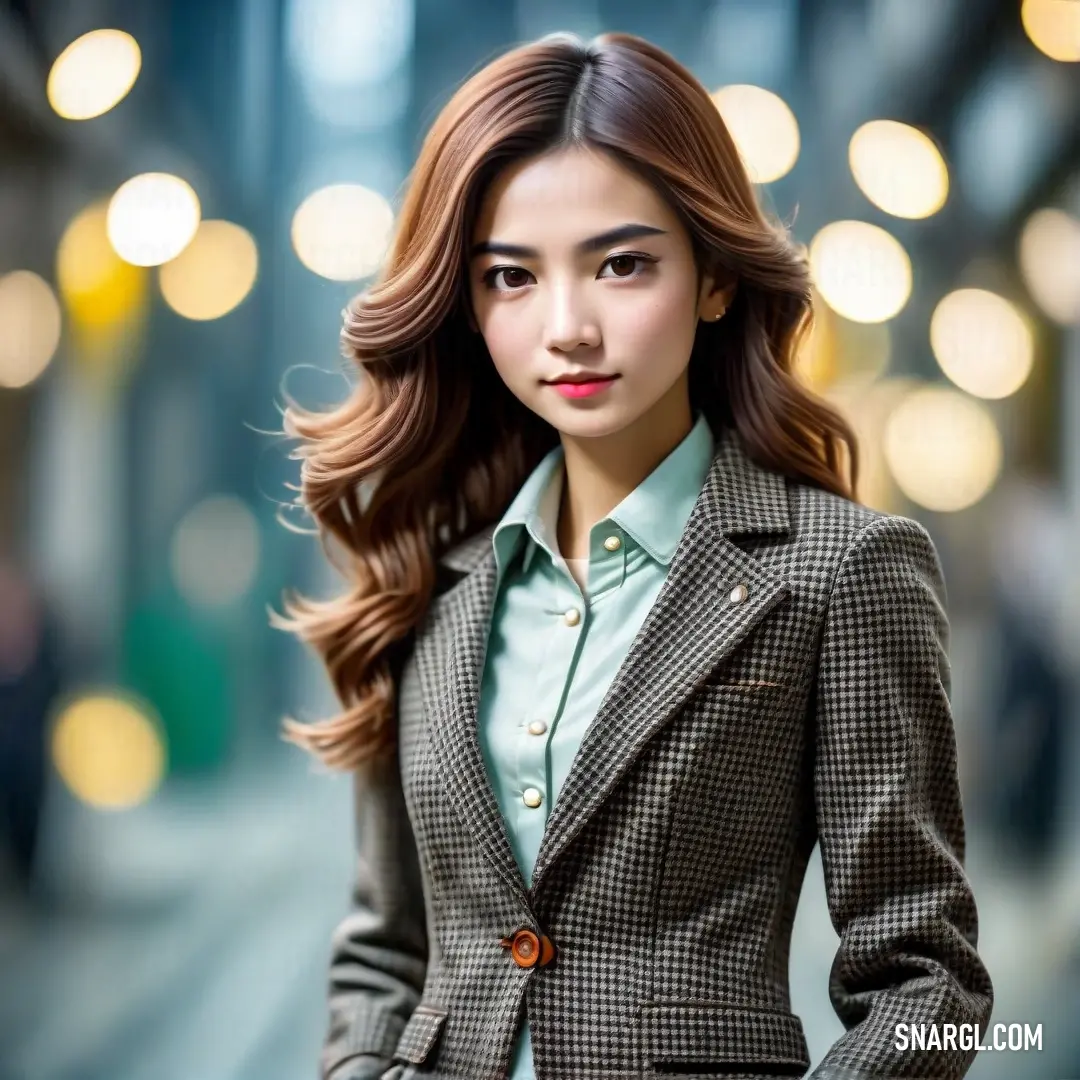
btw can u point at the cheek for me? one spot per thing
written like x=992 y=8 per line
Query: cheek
x=504 y=336
x=664 y=318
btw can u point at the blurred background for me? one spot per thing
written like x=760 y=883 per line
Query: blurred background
x=190 y=193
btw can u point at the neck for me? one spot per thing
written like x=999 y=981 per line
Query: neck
x=602 y=471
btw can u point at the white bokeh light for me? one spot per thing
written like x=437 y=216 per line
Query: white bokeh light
x=30 y=324
x=861 y=271
x=152 y=218
x=341 y=232
x=942 y=448
x=93 y=74
x=1049 y=256
x=898 y=168
x=763 y=127
x=215 y=552
x=982 y=343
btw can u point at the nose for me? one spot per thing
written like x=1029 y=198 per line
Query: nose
x=571 y=323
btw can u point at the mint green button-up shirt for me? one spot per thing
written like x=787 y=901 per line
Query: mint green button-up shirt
x=554 y=648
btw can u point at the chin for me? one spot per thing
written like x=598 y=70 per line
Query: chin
x=594 y=422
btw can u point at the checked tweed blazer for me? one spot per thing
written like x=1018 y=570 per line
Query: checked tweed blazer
x=737 y=733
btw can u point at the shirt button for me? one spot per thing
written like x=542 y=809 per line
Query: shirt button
x=537 y=727
x=739 y=594
x=613 y=543
x=572 y=616
x=531 y=797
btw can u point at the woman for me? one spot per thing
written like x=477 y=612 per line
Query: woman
x=619 y=644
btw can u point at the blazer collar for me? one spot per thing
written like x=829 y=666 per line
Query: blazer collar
x=741 y=496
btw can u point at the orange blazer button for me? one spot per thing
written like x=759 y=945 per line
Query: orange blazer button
x=528 y=949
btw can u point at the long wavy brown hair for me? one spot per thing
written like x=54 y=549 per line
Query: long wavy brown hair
x=431 y=446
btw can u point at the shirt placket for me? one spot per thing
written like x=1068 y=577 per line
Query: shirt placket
x=569 y=620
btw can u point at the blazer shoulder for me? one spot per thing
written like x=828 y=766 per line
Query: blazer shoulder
x=826 y=528
x=823 y=517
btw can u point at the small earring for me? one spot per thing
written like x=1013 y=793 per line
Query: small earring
x=721 y=315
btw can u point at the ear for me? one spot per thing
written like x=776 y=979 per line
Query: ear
x=715 y=297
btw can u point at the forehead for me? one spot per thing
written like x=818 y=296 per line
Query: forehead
x=570 y=192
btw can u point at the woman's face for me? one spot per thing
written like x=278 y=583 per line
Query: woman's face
x=578 y=266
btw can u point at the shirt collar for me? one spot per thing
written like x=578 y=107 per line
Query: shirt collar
x=654 y=514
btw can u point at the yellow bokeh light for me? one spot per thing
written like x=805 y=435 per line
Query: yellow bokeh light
x=861 y=271
x=763 y=127
x=838 y=350
x=213 y=274
x=1049 y=256
x=29 y=327
x=108 y=751
x=866 y=403
x=98 y=287
x=899 y=169
x=93 y=74
x=982 y=343
x=152 y=218
x=341 y=232
x=943 y=448
x=105 y=297
x=1054 y=27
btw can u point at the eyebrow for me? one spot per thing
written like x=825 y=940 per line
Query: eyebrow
x=585 y=247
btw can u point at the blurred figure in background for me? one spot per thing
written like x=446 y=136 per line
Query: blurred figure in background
x=29 y=682
x=1029 y=739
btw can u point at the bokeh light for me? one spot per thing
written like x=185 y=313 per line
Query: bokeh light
x=98 y=287
x=943 y=448
x=899 y=169
x=763 y=127
x=93 y=74
x=29 y=327
x=866 y=404
x=215 y=551
x=861 y=271
x=341 y=232
x=106 y=298
x=1054 y=27
x=982 y=342
x=837 y=350
x=1049 y=256
x=213 y=274
x=108 y=751
x=152 y=218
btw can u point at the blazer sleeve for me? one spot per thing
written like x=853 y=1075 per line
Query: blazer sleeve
x=889 y=815
x=379 y=949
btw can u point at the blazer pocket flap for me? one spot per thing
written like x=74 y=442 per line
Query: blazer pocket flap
x=723 y=1034
x=420 y=1035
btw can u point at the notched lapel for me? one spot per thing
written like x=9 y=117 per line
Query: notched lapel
x=449 y=657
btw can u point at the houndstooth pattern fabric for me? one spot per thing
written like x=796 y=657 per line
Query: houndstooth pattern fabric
x=741 y=728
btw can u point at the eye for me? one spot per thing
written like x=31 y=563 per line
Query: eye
x=513 y=277
x=627 y=264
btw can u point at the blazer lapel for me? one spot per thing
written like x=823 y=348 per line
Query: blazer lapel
x=450 y=656
x=691 y=627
